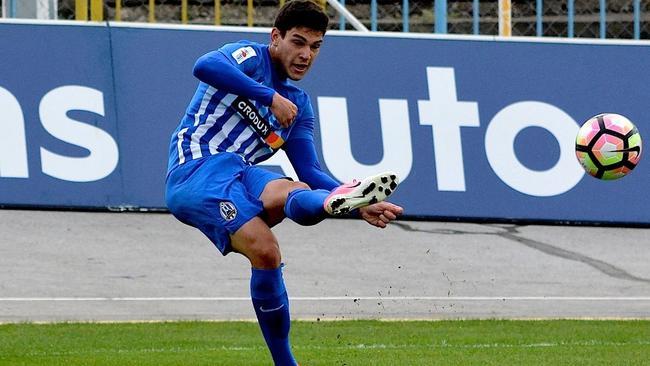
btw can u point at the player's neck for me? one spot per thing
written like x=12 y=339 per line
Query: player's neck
x=278 y=71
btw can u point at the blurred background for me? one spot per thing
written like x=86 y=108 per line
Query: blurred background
x=549 y=18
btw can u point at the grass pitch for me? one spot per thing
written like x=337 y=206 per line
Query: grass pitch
x=475 y=342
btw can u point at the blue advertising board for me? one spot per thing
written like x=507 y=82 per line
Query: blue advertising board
x=58 y=108
x=477 y=127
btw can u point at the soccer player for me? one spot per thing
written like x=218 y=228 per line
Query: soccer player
x=243 y=111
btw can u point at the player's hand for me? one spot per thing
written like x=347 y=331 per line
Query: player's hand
x=381 y=213
x=284 y=110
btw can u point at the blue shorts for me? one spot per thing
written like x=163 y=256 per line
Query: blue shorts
x=217 y=195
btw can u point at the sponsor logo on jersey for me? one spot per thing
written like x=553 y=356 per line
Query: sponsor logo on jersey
x=243 y=54
x=262 y=127
x=228 y=210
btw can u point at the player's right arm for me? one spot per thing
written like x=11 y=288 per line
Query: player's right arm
x=284 y=110
x=220 y=70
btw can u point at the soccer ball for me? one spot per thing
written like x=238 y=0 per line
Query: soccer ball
x=608 y=146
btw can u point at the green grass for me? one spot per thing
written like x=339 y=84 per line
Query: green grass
x=476 y=342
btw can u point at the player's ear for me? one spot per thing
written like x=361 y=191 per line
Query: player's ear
x=275 y=36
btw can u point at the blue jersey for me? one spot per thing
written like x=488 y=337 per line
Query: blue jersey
x=212 y=124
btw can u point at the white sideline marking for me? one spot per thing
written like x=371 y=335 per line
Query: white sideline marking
x=340 y=298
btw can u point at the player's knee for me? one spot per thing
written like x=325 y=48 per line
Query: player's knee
x=275 y=194
x=266 y=258
x=274 y=199
x=298 y=185
x=265 y=253
x=281 y=198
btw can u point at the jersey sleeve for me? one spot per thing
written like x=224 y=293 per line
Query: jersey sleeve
x=301 y=151
x=230 y=69
x=303 y=158
x=303 y=127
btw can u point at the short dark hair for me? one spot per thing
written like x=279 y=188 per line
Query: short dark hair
x=301 y=13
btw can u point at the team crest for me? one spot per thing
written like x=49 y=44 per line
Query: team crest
x=228 y=210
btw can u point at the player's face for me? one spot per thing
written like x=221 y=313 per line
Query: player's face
x=294 y=53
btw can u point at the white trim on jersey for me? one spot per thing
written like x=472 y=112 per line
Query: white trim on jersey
x=219 y=111
x=195 y=139
x=181 y=156
x=223 y=133
x=205 y=101
x=249 y=149
x=260 y=153
x=245 y=135
x=231 y=134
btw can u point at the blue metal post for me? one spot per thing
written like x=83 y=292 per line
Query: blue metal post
x=405 y=15
x=476 y=15
x=373 y=15
x=441 y=16
x=341 y=17
x=570 y=10
x=540 y=15
x=603 y=18
x=637 y=19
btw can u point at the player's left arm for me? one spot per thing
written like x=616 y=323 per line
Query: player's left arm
x=303 y=158
x=302 y=155
x=301 y=152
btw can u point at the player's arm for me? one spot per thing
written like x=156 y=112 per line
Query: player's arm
x=380 y=213
x=302 y=155
x=215 y=69
x=301 y=151
x=219 y=70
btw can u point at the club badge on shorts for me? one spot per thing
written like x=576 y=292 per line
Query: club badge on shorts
x=228 y=210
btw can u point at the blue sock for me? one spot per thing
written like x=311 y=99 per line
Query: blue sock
x=305 y=207
x=271 y=305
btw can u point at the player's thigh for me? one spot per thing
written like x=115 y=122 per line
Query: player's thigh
x=271 y=189
x=256 y=241
x=209 y=195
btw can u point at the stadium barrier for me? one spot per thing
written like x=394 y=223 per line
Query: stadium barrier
x=477 y=127
x=554 y=18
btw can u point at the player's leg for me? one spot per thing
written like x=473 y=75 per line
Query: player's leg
x=308 y=207
x=209 y=194
x=256 y=241
x=368 y=191
x=270 y=300
x=283 y=197
x=295 y=200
